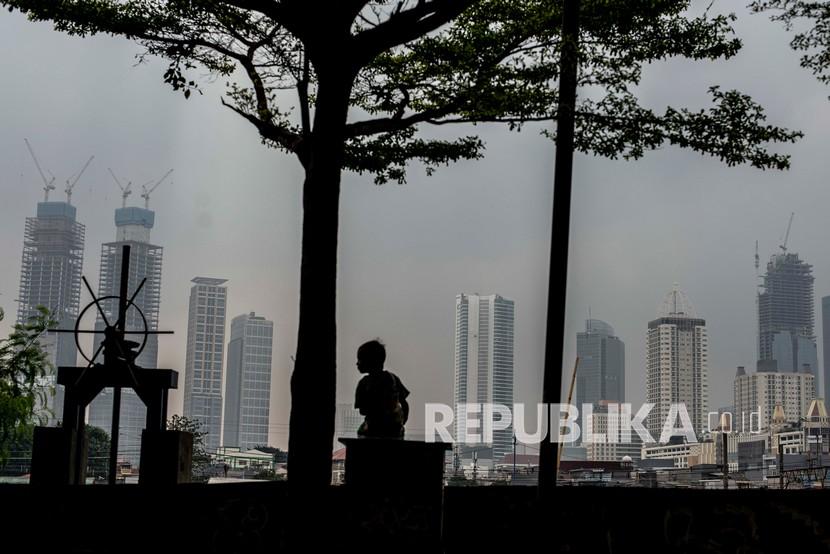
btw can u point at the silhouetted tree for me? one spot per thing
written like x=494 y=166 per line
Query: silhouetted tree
x=812 y=19
x=201 y=462
x=369 y=74
x=24 y=364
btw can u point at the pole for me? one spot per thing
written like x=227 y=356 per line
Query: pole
x=562 y=427
x=560 y=231
x=780 y=464
x=513 y=478
x=116 y=391
x=725 y=442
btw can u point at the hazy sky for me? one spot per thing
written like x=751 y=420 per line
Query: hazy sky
x=233 y=210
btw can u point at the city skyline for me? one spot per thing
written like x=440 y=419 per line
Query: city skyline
x=406 y=251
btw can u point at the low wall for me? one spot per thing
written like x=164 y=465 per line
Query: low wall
x=258 y=517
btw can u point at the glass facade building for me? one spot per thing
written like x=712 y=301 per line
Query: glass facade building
x=205 y=356
x=248 y=388
x=484 y=360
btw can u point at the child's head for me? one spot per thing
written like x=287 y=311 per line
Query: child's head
x=370 y=356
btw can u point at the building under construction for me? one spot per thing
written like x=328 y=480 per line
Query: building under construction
x=50 y=276
x=786 y=316
x=133 y=227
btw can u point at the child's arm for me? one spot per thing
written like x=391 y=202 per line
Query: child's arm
x=405 y=408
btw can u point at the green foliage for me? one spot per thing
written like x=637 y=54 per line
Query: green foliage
x=201 y=459
x=280 y=456
x=98 y=452
x=412 y=63
x=24 y=364
x=812 y=18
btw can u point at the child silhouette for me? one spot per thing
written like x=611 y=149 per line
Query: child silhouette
x=380 y=395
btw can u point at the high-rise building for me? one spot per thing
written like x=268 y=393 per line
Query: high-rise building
x=204 y=357
x=760 y=392
x=133 y=227
x=616 y=446
x=786 y=317
x=825 y=345
x=346 y=423
x=601 y=372
x=248 y=388
x=484 y=360
x=677 y=364
x=50 y=276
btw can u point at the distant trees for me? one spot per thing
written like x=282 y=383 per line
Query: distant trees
x=201 y=464
x=24 y=365
x=98 y=452
x=280 y=456
x=369 y=75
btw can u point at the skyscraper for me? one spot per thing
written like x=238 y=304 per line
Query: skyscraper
x=133 y=227
x=677 y=364
x=786 y=317
x=248 y=389
x=825 y=344
x=203 y=361
x=484 y=360
x=601 y=372
x=50 y=276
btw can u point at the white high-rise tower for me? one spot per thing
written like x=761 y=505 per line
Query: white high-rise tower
x=484 y=360
x=205 y=354
x=677 y=364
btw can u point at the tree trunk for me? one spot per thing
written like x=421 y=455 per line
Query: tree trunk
x=313 y=381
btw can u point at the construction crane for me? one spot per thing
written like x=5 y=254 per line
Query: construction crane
x=125 y=191
x=145 y=192
x=70 y=186
x=783 y=246
x=48 y=185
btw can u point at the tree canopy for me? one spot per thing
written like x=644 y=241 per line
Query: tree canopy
x=435 y=62
x=24 y=365
x=811 y=21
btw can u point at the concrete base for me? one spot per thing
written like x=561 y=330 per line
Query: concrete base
x=53 y=459
x=166 y=457
x=402 y=480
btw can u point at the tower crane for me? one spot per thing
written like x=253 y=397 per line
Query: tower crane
x=125 y=190
x=70 y=186
x=783 y=246
x=145 y=192
x=47 y=184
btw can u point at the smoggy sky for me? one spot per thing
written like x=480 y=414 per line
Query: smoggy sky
x=233 y=211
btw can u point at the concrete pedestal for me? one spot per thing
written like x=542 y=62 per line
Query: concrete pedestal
x=395 y=489
x=57 y=457
x=166 y=457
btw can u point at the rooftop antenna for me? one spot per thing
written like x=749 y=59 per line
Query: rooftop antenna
x=145 y=192
x=70 y=186
x=47 y=184
x=125 y=191
x=783 y=246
